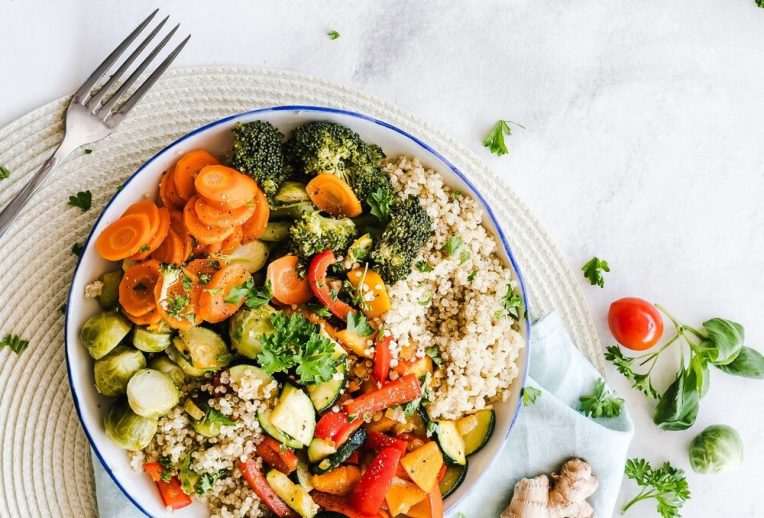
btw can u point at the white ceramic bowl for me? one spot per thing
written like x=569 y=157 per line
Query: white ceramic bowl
x=216 y=138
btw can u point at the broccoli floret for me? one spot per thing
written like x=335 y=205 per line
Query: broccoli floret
x=409 y=229
x=257 y=151
x=314 y=233
x=318 y=147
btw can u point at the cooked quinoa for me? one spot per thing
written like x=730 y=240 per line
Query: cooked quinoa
x=455 y=307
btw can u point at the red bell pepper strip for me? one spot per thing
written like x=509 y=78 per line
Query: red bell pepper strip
x=399 y=391
x=378 y=441
x=317 y=281
x=442 y=472
x=171 y=491
x=338 y=504
x=260 y=486
x=277 y=455
x=382 y=358
x=336 y=427
x=369 y=494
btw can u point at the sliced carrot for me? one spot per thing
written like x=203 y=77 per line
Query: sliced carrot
x=205 y=234
x=210 y=214
x=333 y=195
x=204 y=269
x=150 y=318
x=147 y=207
x=179 y=226
x=254 y=227
x=164 y=194
x=171 y=251
x=202 y=250
x=286 y=284
x=178 y=300
x=124 y=237
x=214 y=302
x=159 y=237
x=136 y=289
x=224 y=186
x=186 y=169
x=233 y=241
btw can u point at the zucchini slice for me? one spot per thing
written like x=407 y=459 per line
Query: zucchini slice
x=343 y=452
x=294 y=414
x=451 y=443
x=324 y=395
x=453 y=478
x=478 y=436
x=265 y=422
x=319 y=449
x=292 y=494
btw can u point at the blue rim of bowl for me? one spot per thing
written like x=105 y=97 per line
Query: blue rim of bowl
x=316 y=109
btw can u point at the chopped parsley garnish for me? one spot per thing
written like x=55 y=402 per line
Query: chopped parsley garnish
x=207 y=480
x=380 y=202
x=204 y=279
x=174 y=306
x=358 y=324
x=77 y=249
x=594 y=271
x=319 y=310
x=253 y=296
x=297 y=344
x=4 y=172
x=472 y=275
x=144 y=248
x=601 y=402
x=87 y=151
x=464 y=256
x=14 y=343
x=214 y=416
x=529 y=395
x=82 y=200
x=167 y=468
x=62 y=309
x=333 y=35
x=511 y=304
x=453 y=245
x=423 y=266
x=495 y=139
x=434 y=353
x=120 y=187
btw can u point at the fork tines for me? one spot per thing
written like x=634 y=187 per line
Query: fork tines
x=94 y=99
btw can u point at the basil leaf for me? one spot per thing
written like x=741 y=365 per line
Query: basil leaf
x=725 y=339
x=678 y=408
x=748 y=364
x=699 y=365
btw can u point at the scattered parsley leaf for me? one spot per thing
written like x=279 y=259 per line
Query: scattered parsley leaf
x=666 y=484
x=594 y=271
x=77 y=249
x=529 y=395
x=207 y=480
x=319 y=310
x=214 y=416
x=204 y=279
x=601 y=402
x=253 y=296
x=174 y=306
x=432 y=427
x=494 y=141
x=512 y=304
x=434 y=353
x=464 y=256
x=423 y=266
x=453 y=245
x=120 y=187
x=623 y=364
x=167 y=468
x=358 y=324
x=333 y=35
x=14 y=343
x=472 y=275
x=145 y=248
x=82 y=200
x=4 y=172
x=380 y=202
x=458 y=195
x=62 y=309
x=87 y=151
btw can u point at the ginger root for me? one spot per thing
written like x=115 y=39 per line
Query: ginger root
x=533 y=498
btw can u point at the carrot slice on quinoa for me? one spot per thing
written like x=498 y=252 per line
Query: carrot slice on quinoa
x=177 y=298
x=254 y=227
x=333 y=195
x=224 y=186
x=159 y=237
x=286 y=284
x=205 y=234
x=136 y=289
x=233 y=241
x=186 y=169
x=171 y=251
x=216 y=302
x=211 y=214
x=124 y=237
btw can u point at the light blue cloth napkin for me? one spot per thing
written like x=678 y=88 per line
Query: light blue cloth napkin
x=544 y=436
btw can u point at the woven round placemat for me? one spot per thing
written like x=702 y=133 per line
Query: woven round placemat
x=46 y=469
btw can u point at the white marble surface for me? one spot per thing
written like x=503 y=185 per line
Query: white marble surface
x=643 y=142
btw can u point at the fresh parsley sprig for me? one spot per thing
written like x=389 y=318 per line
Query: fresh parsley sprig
x=380 y=202
x=666 y=484
x=601 y=403
x=253 y=296
x=529 y=395
x=358 y=324
x=81 y=200
x=333 y=35
x=4 y=172
x=14 y=343
x=494 y=141
x=594 y=270
x=512 y=304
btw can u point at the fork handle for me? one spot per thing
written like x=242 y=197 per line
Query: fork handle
x=13 y=208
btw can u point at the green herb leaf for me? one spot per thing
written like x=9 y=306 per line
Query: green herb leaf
x=453 y=245
x=214 y=416
x=14 y=343
x=749 y=363
x=204 y=279
x=77 y=249
x=725 y=339
x=62 y=309
x=4 y=172
x=87 y=151
x=666 y=484
x=319 y=310
x=82 y=200
x=594 y=270
x=207 y=480
x=529 y=395
x=512 y=304
x=623 y=364
x=253 y=296
x=423 y=266
x=434 y=353
x=311 y=365
x=494 y=141
x=678 y=407
x=333 y=35
x=601 y=402
x=358 y=324
x=380 y=202
x=167 y=468
x=464 y=256
x=472 y=275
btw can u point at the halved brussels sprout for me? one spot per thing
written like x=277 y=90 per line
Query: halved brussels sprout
x=247 y=326
x=207 y=350
x=103 y=332
x=151 y=393
x=127 y=429
x=183 y=360
x=150 y=341
x=291 y=192
x=276 y=231
x=113 y=371
x=109 y=296
x=252 y=255
x=169 y=367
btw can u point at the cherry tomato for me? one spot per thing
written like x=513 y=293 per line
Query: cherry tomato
x=635 y=323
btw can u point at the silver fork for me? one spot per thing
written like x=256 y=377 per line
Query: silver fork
x=90 y=117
